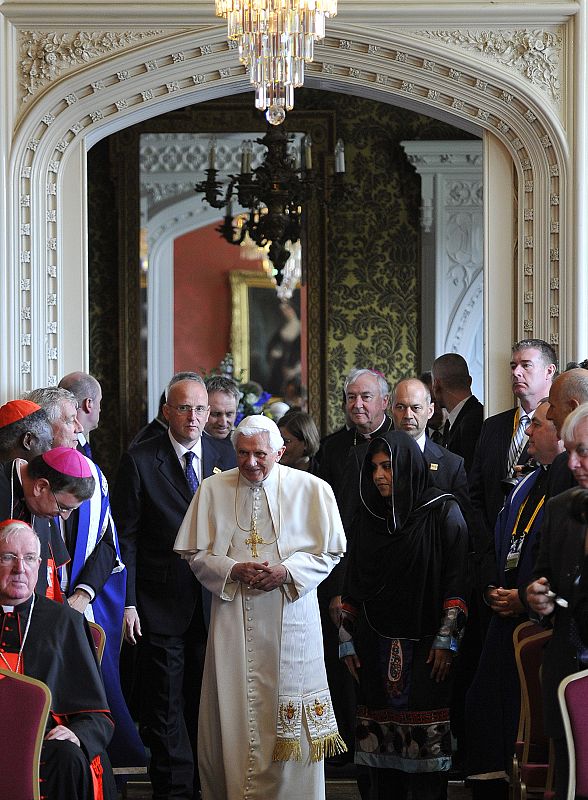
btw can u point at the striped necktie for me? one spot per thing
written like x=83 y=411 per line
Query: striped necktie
x=516 y=444
x=190 y=472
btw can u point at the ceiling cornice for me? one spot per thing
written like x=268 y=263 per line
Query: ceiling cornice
x=35 y=13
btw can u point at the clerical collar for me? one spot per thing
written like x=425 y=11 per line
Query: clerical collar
x=371 y=434
x=21 y=608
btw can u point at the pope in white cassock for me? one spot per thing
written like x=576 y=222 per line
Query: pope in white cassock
x=261 y=538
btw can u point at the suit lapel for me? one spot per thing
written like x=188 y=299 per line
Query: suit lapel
x=209 y=457
x=170 y=469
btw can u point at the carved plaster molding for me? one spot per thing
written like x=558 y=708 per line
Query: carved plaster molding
x=45 y=56
x=535 y=54
x=187 y=67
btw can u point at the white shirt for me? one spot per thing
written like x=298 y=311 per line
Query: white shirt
x=452 y=415
x=181 y=451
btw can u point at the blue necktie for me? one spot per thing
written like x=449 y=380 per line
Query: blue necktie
x=86 y=450
x=189 y=471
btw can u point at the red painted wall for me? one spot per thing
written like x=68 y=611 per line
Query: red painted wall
x=202 y=297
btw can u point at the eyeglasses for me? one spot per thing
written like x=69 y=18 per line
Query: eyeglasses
x=198 y=410
x=8 y=559
x=62 y=509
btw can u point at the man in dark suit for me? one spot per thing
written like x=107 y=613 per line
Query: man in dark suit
x=533 y=364
x=411 y=410
x=452 y=389
x=88 y=393
x=154 y=487
x=552 y=594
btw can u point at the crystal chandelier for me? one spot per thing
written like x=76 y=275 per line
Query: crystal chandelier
x=276 y=38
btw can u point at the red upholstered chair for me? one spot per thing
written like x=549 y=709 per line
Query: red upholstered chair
x=24 y=701
x=99 y=637
x=573 y=702
x=522 y=631
x=535 y=767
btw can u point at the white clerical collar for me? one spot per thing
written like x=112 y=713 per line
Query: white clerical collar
x=8 y=609
x=452 y=415
x=373 y=433
x=421 y=441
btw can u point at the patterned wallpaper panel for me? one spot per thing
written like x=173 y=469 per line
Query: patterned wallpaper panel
x=373 y=290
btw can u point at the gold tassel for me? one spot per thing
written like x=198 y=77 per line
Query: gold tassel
x=287 y=750
x=327 y=747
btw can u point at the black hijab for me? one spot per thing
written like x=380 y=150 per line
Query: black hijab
x=398 y=553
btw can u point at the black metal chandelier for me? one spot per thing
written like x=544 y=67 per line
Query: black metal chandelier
x=275 y=194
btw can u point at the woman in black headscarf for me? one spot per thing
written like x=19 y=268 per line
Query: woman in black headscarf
x=403 y=613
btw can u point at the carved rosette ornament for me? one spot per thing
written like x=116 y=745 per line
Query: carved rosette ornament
x=45 y=56
x=534 y=54
x=130 y=71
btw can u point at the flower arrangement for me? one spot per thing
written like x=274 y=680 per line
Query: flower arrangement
x=254 y=400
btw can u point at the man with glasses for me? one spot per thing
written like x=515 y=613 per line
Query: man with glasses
x=155 y=484
x=52 y=485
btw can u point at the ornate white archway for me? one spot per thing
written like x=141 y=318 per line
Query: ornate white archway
x=432 y=72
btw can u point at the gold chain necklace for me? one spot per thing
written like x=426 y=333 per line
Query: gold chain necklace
x=24 y=638
x=254 y=538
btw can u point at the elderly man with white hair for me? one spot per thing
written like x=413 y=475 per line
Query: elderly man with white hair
x=261 y=538
x=554 y=591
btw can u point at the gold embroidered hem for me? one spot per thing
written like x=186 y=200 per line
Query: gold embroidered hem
x=328 y=747
x=322 y=727
x=287 y=750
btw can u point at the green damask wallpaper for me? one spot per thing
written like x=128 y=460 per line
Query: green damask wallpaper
x=373 y=273
x=104 y=313
x=373 y=246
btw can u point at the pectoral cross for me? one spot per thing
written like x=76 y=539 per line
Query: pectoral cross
x=254 y=539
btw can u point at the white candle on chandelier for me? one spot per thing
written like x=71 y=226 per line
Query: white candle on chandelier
x=246 y=151
x=339 y=156
x=212 y=153
x=307 y=151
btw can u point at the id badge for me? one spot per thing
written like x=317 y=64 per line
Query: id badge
x=512 y=560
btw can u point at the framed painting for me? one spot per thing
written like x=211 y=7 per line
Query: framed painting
x=267 y=335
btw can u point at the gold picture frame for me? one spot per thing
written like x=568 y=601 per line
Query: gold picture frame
x=256 y=321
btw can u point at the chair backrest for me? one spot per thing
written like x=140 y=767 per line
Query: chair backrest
x=573 y=702
x=99 y=637
x=529 y=657
x=523 y=631
x=26 y=702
